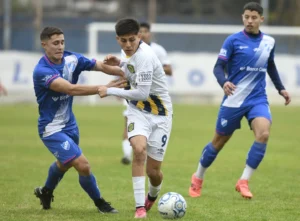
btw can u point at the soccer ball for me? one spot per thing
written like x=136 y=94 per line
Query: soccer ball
x=172 y=206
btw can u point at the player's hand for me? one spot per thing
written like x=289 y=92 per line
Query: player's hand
x=286 y=96
x=229 y=88
x=3 y=90
x=119 y=83
x=111 y=60
x=102 y=91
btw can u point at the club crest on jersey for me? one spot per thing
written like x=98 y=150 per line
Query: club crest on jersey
x=224 y=122
x=66 y=145
x=131 y=68
x=130 y=127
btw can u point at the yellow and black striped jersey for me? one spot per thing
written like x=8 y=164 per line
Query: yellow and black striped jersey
x=144 y=68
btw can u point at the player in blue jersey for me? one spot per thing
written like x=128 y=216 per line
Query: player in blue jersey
x=247 y=56
x=55 y=77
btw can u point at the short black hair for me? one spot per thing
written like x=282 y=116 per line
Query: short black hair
x=49 y=31
x=145 y=25
x=254 y=6
x=127 y=26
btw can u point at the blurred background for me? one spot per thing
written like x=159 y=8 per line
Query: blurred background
x=192 y=33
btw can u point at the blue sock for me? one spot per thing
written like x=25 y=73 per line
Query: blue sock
x=89 y=184
x=256 y=154
x=209 y=154
x=54 y=176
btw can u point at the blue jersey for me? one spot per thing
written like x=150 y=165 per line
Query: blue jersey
x=247 y=61
x=55 y=109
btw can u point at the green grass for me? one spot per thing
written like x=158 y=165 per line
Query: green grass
x=24 y=163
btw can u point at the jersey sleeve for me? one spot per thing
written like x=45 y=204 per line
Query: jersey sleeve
x=226 y=50
x=144 y=70
x=43 y=77
x=272 y=54
x=163 y=56
x=85 y=64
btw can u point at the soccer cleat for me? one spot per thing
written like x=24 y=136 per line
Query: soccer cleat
x=243 y=188
x=125 y=161
x=45 y=196
x=149 y=202
x=140 y=213
x=104 y=207
x=196 y=186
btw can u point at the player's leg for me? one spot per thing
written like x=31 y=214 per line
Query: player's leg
x=58 y=145
x=138 y=132
x=228 y=121
x=156 y=150
x=259 y=118
x=127 y=149
x=88 y=182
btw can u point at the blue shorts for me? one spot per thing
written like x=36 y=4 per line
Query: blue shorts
x=64 y=145
x=229 y=119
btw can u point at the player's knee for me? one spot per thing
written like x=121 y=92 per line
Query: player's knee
x=153 y=172
x=139 y=153
x=83 y=168
x=263 y=136
x=219 y=141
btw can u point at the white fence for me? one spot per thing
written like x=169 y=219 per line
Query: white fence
x=193 y=79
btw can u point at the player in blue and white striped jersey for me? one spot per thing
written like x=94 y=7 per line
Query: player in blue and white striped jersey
x=247 y=56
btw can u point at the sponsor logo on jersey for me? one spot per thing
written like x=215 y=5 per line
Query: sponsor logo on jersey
x=243 y=47
x=130 y=127
x=131 y=68
x=224 y=122
x=248 y=68
x=66 y=145
x=55 y=98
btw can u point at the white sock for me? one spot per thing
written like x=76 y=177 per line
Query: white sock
x=139 y=190
x=154 y=190
x=200 y=171
x=248 y=171
x=127 y=149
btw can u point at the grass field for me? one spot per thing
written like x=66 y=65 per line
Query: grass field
x=24 y=163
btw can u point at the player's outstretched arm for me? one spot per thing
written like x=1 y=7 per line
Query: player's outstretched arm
x=111 y=60
x=108 y=69
x=141 y=93
x=63 y=86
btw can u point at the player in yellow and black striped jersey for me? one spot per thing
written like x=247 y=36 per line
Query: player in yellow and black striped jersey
x=149 y=114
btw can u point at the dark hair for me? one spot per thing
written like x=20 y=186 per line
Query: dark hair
x=127 y=26
x=145 y=25
x=254 y=6
x=49 y=31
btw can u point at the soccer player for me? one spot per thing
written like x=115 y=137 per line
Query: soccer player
x=163 y=58
x=248 y=55
x=149 y=113
x=55 y=77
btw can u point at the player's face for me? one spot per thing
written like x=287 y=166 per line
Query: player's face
x=54 y=48
x=252 y=21
x=129 y=43
x=145 y=35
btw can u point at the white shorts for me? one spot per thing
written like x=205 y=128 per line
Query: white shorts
x=155 y=128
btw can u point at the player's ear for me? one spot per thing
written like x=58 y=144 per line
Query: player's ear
x=43 y=43
x=117 y=37
x=262 y=18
